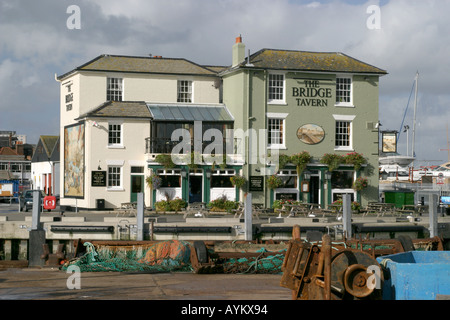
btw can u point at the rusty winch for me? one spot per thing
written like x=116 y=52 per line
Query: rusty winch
x=327 y=271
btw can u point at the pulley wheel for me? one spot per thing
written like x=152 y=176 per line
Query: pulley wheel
x=355 y=281
x=349 y=274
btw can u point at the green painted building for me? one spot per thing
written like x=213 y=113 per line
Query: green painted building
x=312 y=103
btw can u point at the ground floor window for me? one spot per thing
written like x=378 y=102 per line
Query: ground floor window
x=289 y=189
x=341 y=183
x=114 y=177
x=221 y=186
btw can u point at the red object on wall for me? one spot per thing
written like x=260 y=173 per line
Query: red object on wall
x=49 y=202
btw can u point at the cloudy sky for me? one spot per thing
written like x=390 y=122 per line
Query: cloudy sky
x=36 y=44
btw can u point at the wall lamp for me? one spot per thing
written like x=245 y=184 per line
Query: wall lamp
x=208 y=173
x=307 y=175
x=183 y=173
x=328 y=176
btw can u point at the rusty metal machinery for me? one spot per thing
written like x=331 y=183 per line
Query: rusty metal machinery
x=322 y=271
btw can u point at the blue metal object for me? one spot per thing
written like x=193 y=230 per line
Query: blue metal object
x=416 y=275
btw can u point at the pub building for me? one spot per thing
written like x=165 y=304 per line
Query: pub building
x=119 y=114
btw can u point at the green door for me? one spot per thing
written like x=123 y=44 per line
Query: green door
x=137 y=186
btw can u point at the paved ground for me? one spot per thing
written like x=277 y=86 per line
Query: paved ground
x=52 y=284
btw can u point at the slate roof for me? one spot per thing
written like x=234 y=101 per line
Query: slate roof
x=310 y=61
x=133 y=64
x=121 y=109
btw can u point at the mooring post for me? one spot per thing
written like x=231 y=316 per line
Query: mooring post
x=347 y=215
x=433 y=216
x=37 y=233
x=140 y=216
x=248 y=217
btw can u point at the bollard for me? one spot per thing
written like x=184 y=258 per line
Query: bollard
x=140 y=217
x=37 y=234
x=248 y=218
x=347 y=215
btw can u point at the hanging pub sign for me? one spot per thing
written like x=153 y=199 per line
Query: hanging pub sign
x=389 y=141
x=98 y=179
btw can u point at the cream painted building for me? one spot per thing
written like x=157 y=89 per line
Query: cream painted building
x=106 y=122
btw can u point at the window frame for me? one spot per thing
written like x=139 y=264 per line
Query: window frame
x=348 y=119
x=113 y=145
x=120 y=178
x=277 y=116
x=269 y=86
x=190 y=91
x=113 y=92
x=344 y=103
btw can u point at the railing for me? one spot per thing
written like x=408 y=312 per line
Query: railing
x=165 y=145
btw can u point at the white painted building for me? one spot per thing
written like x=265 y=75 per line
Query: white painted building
x=108 y=107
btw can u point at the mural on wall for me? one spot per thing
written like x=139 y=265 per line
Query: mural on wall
x=310 y=134
x=74 y=161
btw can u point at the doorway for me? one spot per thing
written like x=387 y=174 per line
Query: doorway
x=195 y=188
x=314 y=189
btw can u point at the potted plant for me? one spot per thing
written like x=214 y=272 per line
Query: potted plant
x=165 y=160
x=237 y=181
x=355 y=159
x=332 y=160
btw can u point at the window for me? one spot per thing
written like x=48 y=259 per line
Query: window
x=114 y=177
x=343 y=91
x=184 y=91
x=276 y=130
x=114 y=89
x=114 y=134
x=343 y=134
x=276 y=87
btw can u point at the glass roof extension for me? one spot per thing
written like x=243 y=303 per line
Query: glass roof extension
x=190 y=113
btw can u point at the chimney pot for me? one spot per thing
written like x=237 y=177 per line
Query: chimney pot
x=239 y=39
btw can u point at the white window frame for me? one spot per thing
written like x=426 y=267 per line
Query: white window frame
x=344 y=103
x=119 y=166
x=272 y=100
x=277 y=116
x=114 y=91
x=189 y=92
x=344 y=118
x=115 y=145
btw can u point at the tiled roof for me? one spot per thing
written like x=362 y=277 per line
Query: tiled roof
x=310 y=61
x=49 y=143
x=124 y=109
x=132 y=64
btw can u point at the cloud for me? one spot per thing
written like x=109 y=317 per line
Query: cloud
x=36 y=44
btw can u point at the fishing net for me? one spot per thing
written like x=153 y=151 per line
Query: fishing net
x=164 y=256
x=270 y=264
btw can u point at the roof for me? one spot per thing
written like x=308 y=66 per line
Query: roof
x=188 y=113
x=49 y=143
x=133 y=64
x=123 y=109
x=310 y=61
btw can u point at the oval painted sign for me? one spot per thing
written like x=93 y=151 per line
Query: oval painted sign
x=310 y=134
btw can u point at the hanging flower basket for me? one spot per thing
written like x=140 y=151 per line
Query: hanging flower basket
x=237 y=181
x=154 y=181
x=165 y=160
x=355 y=159
x=360 y=184
x=274 y=182
x=333 y=161
x=300 y=160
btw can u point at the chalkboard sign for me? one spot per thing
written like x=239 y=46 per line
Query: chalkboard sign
x=256 y=183
x=98 y=179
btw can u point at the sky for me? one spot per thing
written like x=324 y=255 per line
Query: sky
x=43 y=38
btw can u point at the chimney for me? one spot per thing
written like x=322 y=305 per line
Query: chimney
x=238 y=51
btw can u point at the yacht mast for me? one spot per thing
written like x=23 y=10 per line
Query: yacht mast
x=415 y=110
